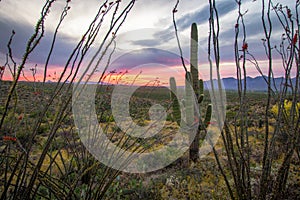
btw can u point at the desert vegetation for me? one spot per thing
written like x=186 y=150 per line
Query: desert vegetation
x=257 y=156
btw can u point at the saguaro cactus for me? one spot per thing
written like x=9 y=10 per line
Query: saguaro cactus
x=175 y=102
x=194 y=59
x=192 y=78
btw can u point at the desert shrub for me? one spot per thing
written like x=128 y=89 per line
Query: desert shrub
x=287 y=110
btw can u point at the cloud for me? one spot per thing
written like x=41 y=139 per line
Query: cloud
x=202 y=16
x=146 y=56
x=19 y=42
x=228 y=13
x=199 y=16
x=254 y=36
x=147 y=43
x=62 y=49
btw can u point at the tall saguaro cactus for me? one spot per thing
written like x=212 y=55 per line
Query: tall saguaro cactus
x=194 y=148
x=194 y=59
x=192 y=78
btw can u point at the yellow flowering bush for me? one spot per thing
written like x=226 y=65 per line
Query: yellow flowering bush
x=286 y=109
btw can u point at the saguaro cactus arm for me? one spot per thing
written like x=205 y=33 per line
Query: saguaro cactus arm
x=201 y=91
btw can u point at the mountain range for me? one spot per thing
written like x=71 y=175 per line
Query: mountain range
x=258 y=83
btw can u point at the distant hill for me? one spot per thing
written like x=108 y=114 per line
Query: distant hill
x=254 y=84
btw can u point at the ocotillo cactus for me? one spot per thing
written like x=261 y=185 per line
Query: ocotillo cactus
x=192 y=78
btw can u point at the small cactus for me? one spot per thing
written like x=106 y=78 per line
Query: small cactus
x=175 y=102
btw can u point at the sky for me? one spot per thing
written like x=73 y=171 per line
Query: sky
x=146 y=43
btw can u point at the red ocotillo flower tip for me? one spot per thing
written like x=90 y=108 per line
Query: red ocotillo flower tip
x=295 y=39
x=9 y=138
x=20 y=117
x=245 y=46
x=289 y=13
